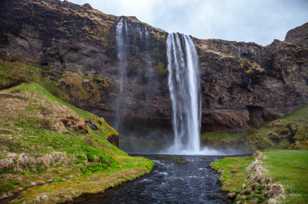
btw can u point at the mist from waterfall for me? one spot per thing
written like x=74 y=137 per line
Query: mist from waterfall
x=184 y=87
x=122 y=39
x=135 y=84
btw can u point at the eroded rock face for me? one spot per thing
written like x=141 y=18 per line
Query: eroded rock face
x=298 y=35
x=250 y=83
x=243 y=84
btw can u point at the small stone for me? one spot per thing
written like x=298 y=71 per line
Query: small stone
x=231 y=195
x=40 y=183
x=42 y=198
x=275 y=190
x=3 y=196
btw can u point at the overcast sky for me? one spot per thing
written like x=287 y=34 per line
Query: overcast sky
x=259 y=21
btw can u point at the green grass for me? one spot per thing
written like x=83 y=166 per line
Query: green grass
x=222 y=138
x=232 y=172
x=287 y=167
x=290 y=168
x=24 y=130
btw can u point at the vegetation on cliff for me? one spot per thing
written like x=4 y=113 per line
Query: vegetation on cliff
x=290 y=131
x=46 y=143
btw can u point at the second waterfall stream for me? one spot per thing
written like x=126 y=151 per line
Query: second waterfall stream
x=184 y=87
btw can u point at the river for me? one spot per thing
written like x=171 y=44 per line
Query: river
x=175 y=179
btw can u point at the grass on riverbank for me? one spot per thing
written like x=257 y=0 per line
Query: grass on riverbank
x=290 y=168
x=287 y=167
x=232 y=172
x=98 y=182
x=54 y=151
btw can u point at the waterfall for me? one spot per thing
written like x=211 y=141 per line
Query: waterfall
x=184 y=87
x=122 y=51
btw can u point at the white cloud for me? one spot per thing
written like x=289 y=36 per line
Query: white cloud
x=241 y=20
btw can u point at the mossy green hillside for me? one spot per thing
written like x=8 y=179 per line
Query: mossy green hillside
x=36 y=124
x=72 y=86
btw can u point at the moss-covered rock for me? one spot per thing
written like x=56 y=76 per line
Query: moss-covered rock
x=287 y=132
x=81 y=89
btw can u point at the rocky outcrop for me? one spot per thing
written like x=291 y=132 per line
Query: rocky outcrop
x=298 y=35
x=251 y=83
x=243 y=84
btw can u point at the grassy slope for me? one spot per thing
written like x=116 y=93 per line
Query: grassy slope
x=290 y=168
x=94 y=163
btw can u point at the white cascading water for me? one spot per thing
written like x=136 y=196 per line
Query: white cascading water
x=184 y=87
x=121 y=45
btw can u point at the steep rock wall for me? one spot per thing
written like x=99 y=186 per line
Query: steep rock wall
x=243 y=84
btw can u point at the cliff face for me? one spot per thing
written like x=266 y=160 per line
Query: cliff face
x=298 y=36
x=243 y=84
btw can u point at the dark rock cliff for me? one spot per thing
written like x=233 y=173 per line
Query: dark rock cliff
x=243 y=84
x=298 y=36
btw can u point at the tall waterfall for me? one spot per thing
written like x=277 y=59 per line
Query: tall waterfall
x=122 y=52
x=184 y=87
